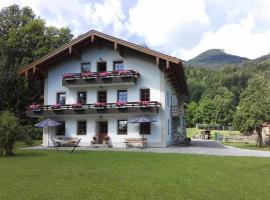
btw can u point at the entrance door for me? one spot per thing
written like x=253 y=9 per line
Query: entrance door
x=101 y=67
x=102 y=130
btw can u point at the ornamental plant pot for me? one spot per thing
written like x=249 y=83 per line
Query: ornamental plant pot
x=68 y=79
x=88 y=78
x=100 y=108
x=56 y=109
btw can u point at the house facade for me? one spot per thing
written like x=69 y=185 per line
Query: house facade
x=96 y=84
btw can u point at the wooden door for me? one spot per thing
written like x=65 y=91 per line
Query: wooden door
x=103 y=130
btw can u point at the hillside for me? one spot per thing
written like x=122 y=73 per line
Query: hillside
x=264 y=58
x=215 y=57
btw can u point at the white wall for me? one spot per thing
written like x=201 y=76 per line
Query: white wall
x=151 y=77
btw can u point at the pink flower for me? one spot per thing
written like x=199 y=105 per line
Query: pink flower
x=124 y=72
x=67 y=75
x=34 y=106
x=56 y=106
x=120 y=104
x=100 y=104
x=76 y=105
x=143 y=103
x=104 y=74
x=86 y=74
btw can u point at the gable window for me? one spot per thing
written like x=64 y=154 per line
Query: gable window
x=145 y=95
x=81 y=97
x=102 y=96
x=101 y=67
x=122 y=127
x=145 y=128
x=118 y=65
x=81 y=127
x=122 y=95
x=61 y=129
x=61 y=98
x=86 y=67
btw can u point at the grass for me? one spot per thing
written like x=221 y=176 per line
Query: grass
x=21 y=144
x=131 y=175
x=194 y=131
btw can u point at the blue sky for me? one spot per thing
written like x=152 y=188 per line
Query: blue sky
x=181 y=28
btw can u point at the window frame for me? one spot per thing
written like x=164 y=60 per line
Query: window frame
x=83 y=63
x=145 y=128
x=81 y=127
x=117 y=62
x=144 y=96
x=98 y=96
x=79 y=96
x=58 y=99
x=118 y=99
x=119 y=131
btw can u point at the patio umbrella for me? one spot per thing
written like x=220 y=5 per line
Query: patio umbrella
x=47 y=123
x=140 y=120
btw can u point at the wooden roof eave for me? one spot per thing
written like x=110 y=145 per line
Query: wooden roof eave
x=91 y=35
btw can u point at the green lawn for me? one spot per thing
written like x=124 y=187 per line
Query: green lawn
x=131 y=175
x=247 y=146
x=194 y=131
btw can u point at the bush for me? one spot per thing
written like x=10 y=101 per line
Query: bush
x=10 y=132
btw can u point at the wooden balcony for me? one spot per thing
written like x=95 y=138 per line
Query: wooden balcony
x=90 y=109
x=176 y=111
x=93 y=79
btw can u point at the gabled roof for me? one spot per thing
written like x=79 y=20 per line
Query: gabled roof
x=71 y=48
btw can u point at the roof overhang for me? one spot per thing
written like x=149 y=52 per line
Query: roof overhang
x=171 y=65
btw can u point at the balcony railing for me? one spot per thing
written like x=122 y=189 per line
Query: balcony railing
x=176 y=111
x=109 y=108
x=127 y=77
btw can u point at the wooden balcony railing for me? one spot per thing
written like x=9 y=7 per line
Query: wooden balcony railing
x=109 y=108
x=100 y=78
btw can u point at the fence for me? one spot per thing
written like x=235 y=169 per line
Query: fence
x=240 y=139
x=214 y=127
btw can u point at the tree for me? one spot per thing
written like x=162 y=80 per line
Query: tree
x=10 y=132
x=254 y=106
x=191 y=114
x=23 y=38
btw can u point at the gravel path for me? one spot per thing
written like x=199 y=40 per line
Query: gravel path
x=197 y=147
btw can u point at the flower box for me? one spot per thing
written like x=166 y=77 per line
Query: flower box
x=87 y=75
x=124 y=73
x=56 y=107
x=76 y=106
x=68 y=77
x=144 y=103
x=35 y=107
x=104 y=74
x=100 y=105
x=120 y=104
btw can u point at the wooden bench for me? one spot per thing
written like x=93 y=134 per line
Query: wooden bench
x=130 y=142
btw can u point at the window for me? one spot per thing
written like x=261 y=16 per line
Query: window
x=145 y=128
x=81 y=128
x=81 y=98
x=61 y=129
x=101 y=67
x=168 y=127
x=118 y=65
x=61 y=98
x=122 y=127
x=122 y=96
x=145 y=95
x=102 y=97
x=168 y=96
x=85 y=67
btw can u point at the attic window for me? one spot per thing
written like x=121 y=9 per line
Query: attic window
x=118 y=65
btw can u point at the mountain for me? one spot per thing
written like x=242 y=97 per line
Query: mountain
x=264 y=58
x=215 y=57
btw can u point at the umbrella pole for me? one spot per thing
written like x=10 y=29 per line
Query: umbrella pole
x=48 y=136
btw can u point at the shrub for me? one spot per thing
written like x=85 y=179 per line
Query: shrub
x=10 y=132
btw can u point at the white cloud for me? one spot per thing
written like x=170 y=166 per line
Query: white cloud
x=80 y=16
x=159 y=21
